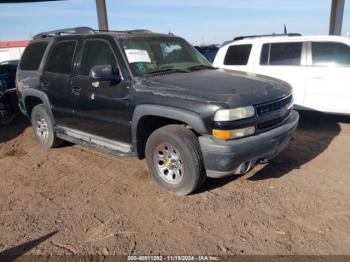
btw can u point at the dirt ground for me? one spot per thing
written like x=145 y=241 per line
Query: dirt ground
x=72 y=200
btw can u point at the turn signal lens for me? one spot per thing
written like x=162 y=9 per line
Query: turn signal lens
x=232 y=134
x=222 y=134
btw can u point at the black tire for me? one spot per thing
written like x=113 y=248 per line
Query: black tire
x=50 y=140
x=186 y=143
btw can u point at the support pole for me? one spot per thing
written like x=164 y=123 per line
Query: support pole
x=336 y=19
x=102 y=15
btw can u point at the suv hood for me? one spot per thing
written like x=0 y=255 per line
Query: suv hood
x=232 y=88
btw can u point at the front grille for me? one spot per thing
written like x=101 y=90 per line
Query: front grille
x=269 y=107
x=269 y=124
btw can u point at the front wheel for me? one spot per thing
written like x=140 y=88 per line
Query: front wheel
x=174 y=159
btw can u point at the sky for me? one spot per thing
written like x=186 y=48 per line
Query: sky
x=198 y=21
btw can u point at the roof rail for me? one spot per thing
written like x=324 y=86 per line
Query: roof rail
x=254 y=36
x=85 y=30
x=135 y=31
x=74 y=30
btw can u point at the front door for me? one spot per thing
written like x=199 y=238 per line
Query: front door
x=285 y=61
x=102 y=107
x=328 y=78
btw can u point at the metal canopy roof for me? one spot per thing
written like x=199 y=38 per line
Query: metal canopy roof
x=24 y=1
x=335 y=24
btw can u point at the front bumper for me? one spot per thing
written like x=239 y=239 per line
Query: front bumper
x=222 y=158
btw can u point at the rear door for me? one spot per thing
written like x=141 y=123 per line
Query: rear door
x=56 y=80
x=102 y=107
x=328 y=77
x=285 y=61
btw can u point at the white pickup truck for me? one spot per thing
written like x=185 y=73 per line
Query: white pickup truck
x=317 y=67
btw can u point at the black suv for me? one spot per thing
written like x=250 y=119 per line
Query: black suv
x=138 y=93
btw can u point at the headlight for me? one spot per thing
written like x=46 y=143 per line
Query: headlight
x=234 y=114
x=232 y=134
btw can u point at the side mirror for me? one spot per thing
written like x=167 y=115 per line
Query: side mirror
x=104 y=73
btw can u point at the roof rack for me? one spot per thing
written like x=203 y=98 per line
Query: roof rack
x=74 y=30
x=254 y=36
x=135 y=31
x=86 y=30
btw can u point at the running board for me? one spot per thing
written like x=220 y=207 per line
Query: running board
x=101 y=144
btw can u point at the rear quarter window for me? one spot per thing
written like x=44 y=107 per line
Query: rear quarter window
x=32 y=56
x=237 y=55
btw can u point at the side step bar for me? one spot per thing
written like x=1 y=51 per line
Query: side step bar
x=101 y=144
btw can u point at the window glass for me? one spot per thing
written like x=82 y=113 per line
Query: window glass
x=285 y=54
x=237 y=55
x=96 y=52
x=174 y=52
x=148 y=55
x=328 y=54
x=61 y=56
x=32 y=56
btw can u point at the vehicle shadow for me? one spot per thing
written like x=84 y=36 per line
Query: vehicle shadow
x=13 y=253
x=313 y=136
x=9 y=132
x=212 y=183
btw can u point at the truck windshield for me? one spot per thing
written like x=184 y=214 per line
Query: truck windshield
x=152 y=55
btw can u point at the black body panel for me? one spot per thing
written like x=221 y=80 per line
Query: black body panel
x=57 y=88
x=227 y=88
x=103 y=111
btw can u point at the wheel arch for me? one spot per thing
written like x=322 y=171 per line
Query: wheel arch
x=147 y=118
x=33 y=97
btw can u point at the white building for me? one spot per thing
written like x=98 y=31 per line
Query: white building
x=12 y=50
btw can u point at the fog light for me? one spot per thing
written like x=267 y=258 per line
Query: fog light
x=232 y=134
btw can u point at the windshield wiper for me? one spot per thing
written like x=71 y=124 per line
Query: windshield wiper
x=199 y=67
x=169 y=70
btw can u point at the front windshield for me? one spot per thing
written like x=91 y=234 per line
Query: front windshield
x=151 y=55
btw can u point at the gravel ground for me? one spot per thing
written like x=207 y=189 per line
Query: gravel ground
x=72 y=200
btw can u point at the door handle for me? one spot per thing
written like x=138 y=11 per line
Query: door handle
x=45 y=85
x=95 y=84
x=76 y=90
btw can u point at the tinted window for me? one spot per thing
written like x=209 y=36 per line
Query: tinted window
x=61 y=57
x=32 y=56
x=330 y=54
x=96 y=52
x=281 y=54
x=237 y=55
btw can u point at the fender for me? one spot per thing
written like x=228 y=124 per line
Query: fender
x=192 y=119
x=38 y=94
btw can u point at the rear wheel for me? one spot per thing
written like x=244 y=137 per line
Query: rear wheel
x=43 y=128
x=174 y=159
